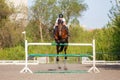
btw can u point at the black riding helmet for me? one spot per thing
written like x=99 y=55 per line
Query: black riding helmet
x=60 y=15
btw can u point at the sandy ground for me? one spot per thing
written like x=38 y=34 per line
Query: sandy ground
x=12 y=72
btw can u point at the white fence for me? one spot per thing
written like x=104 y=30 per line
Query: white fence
x=86 y=60
x=18 y=62
x=26 y=68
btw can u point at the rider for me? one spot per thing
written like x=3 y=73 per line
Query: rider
x=62 y=18
x=64 y=22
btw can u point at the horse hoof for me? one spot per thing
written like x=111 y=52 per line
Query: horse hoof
x=65 y=68
x=59 y=67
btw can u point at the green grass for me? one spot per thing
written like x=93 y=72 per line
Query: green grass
x=18 y=52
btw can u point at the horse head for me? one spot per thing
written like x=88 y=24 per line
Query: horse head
x=60 y=25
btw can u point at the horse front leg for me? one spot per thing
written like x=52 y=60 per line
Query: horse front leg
x=65 y=60
x=57 y=58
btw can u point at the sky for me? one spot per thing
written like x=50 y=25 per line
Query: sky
x=96 y=15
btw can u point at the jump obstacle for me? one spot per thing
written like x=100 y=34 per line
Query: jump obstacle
x=26 y=68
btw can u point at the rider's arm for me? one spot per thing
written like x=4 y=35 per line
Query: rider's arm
x=64 y=21
x=56 y=22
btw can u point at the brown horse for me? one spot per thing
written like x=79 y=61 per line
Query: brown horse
x=61 y=37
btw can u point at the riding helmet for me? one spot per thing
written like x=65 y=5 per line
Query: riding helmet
x=60 y=15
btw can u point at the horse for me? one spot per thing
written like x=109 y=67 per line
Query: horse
x=61 y=37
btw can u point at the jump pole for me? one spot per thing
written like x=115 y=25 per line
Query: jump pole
x=94 y=68
x=26 y=69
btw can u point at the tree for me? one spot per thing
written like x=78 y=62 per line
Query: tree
x=10 y=31
x=5 y=12
x=72 y=8
x=115 y=24
x=46 y=12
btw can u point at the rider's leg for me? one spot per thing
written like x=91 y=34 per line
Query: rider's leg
x=67 y=29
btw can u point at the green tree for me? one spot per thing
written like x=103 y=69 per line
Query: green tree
x=10 y=31
x=115 y=24
x=72 y=8
x=5 y=12
x=46 y=12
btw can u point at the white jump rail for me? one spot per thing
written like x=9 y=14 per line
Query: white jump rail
x=94 y=68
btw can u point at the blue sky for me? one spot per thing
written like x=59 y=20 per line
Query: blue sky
x=96 y=14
